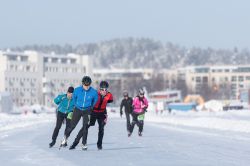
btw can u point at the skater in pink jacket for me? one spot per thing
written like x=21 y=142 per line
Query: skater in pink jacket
x=140 y=105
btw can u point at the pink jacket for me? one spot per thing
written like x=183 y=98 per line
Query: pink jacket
x=139 y=105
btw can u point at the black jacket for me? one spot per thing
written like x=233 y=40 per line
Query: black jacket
x=127 y=103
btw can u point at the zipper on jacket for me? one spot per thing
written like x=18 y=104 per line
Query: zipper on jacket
x=68 y=105
x=84 y=100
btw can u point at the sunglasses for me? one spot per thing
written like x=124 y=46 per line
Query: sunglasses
x=103 y=89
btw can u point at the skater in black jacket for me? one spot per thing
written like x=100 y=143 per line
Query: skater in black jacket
x=127 y=104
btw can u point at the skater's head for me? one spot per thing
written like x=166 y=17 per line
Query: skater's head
x=70 y=92
x=125 y=94
x=104 y=87
x=86 y=82
x=141 y=93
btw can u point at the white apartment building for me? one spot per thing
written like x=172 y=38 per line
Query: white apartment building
x=118 y=73
x=122 y=79
x=19 y=75
x=234 y=78
x=170 y=78
x=122 y=76
x=34 y=78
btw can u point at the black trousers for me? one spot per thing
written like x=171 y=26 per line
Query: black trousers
x=100 y=118
x=59 y=120
x=139 y=123
x=128 y=120
x=77 y=114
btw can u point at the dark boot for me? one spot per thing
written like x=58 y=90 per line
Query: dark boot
x=73 y=146
x=52 y=144
x=99 y=147
x=129 y=133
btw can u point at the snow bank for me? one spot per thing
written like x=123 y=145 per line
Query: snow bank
x=10 y=121
x=237 y=121
x=213 y=105
x=26 y=117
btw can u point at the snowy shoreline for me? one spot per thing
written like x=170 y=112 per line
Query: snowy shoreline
x=14 y=121
x=235 y=121
x=232 y=121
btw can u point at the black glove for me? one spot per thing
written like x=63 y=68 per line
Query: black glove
x=121 y=113
x=145 y=109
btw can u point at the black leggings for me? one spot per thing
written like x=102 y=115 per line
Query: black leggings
x=77 y=114
x=59 y=120
x=128 y=120
x=139 y=123
x=100 y=118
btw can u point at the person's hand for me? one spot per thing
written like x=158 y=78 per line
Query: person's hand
x=106 y=118
x=121 y=114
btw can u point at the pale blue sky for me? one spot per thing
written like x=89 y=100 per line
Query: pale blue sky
x=205 y=23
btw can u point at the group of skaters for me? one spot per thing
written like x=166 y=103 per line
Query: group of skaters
x=136 y=108
x=90 y=104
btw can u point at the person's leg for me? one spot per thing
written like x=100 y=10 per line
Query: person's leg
x=59 y=120
x=128 y=120
x=141 y=124
x=85 y=123
x=74 y=121
x=101 y=124
x=68 y=121
x=77 y=139
x=80 y=133
x=92 y=121
x=134 y=121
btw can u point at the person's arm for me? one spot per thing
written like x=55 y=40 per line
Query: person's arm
x=134 y=102
x=95 y=99
x=146 y=102
x=58 y=99
x=110 y=100
x=72 y=106
x=131 y=103
x=121 y=106
x=74 y=97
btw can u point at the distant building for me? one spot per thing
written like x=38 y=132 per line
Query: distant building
x=34 y=78
x=123 y=79
x=231 y=79
x=245 y=96
x=161 y=99
x=6 y=103
x=62 y=71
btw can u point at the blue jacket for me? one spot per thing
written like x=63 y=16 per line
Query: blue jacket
x=85 y=100
x=65 y=105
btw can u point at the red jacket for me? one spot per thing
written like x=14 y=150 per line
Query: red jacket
x=102 y=102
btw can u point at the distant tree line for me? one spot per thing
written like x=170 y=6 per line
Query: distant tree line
x=146 y=53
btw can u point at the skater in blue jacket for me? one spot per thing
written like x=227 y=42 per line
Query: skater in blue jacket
x=84 y=97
